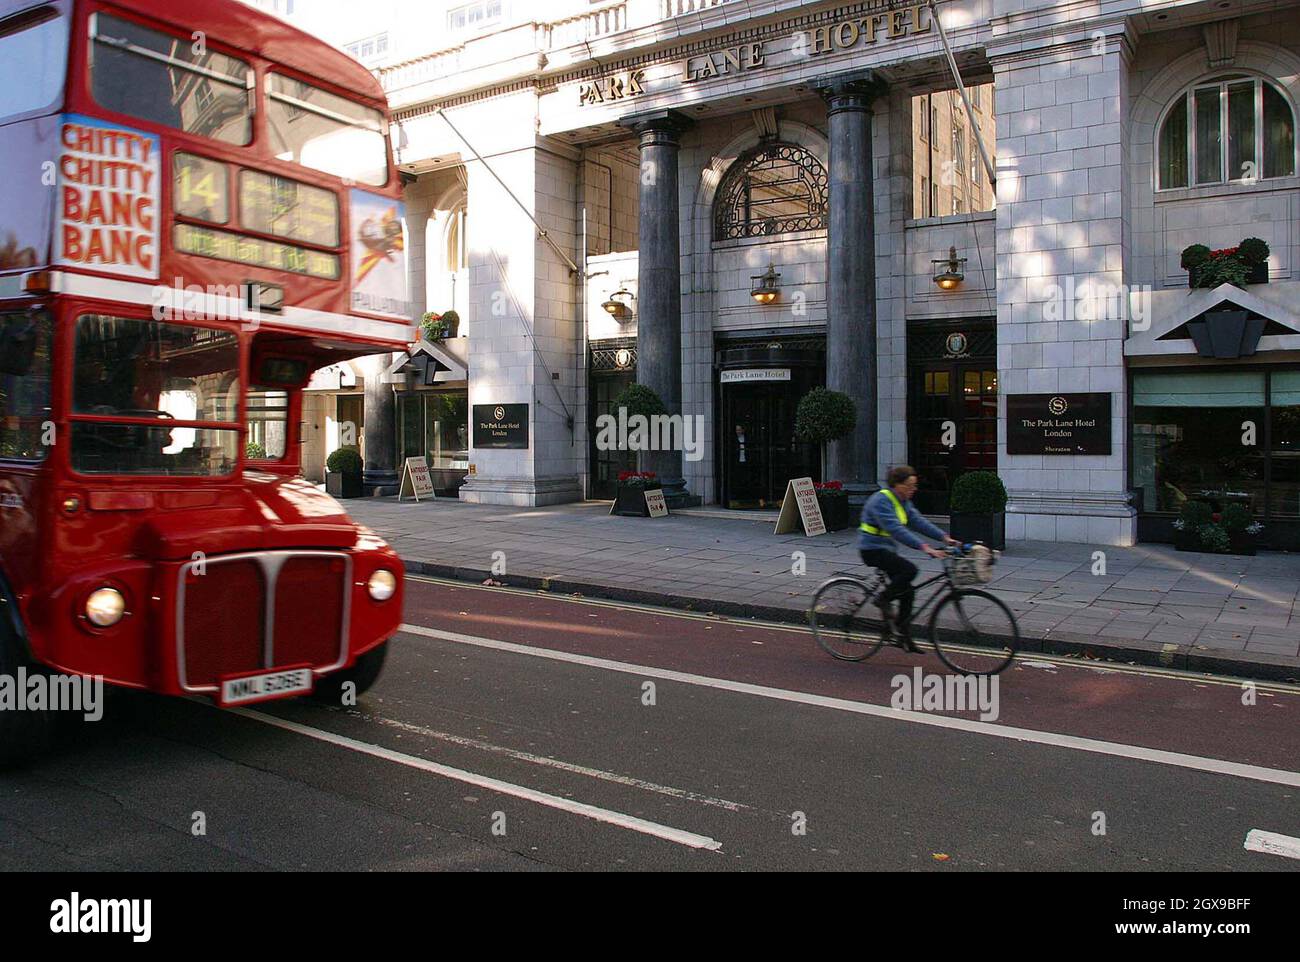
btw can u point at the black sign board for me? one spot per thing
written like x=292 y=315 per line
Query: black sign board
x=500 y=425
x=1058 y=424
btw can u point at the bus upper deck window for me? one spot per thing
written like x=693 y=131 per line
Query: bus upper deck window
x=320 y=130
x=160 y=78
x=33 y=61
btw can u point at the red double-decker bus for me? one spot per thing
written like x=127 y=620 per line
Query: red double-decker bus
x=198 y=209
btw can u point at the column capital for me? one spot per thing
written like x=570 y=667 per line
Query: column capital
x=658 y=126
x=855 y=90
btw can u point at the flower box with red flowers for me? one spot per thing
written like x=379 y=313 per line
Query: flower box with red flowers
x=629 y=498
x=834 y=503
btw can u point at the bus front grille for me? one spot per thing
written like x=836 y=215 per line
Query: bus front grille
x=245 y=613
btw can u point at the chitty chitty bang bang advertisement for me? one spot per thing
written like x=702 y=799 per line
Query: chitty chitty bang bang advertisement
x=108 y=198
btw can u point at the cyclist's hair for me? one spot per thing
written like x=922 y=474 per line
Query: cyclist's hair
x=899 y=473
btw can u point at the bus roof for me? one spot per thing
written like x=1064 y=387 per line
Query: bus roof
x=247 y=28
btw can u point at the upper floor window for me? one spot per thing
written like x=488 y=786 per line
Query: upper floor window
x=371 y=48
x=474 y=16
x=773 y=189
x=1232 y=129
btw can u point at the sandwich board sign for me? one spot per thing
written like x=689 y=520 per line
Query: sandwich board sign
x=654 y=501
x=416 y=480
x=800 y=504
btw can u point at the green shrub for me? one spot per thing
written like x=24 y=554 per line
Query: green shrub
x=1235 y=517
x=1225 y=269
x=1194 y=514
x=639 y=399
x=1253 y=251
x=344 y=461
x=1194 y=255
x=824 y=416
x=254 y=451
x=1214 y=538
x=978 y=492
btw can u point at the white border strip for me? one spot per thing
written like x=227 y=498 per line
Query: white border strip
x=398 y=332
x=630 y=822
x=1159 y=756
x=1272 y=843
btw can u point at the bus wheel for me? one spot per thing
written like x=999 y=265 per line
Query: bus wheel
x=363 y=674
x=24 y=735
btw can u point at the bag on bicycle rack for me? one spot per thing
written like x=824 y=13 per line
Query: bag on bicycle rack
x=975 y=567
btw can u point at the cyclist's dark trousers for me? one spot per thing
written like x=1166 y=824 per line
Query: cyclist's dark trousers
x=901 y=573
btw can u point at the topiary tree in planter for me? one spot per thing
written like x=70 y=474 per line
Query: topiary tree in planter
x=254 y=452
x=343 y=473
x=824 y=416
x=639 y=400
x=977 y=506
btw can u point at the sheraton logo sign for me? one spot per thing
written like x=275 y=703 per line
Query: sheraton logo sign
x=845 y=34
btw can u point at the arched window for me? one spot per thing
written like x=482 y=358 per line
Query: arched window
x=773 y=189
x=1230 y=129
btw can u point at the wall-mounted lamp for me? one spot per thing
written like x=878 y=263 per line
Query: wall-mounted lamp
x=765 y=288
x=619 y=304
x=952 y=274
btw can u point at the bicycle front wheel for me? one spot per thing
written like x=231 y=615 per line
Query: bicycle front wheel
x=974 y=633
x=839 y=620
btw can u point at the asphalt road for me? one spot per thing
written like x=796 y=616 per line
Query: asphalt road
x=517 y=731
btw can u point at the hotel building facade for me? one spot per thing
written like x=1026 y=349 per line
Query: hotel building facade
x=599 y=195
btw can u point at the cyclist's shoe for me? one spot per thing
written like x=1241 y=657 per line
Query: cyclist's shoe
x=905 y=642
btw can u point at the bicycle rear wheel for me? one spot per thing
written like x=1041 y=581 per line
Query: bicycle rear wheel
x=838 y=615
x=974 y=633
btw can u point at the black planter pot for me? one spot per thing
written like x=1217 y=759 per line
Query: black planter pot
x=1241 y=542
x=1258 y=274
x=629 y=502
x=988 y=528
x=339 y=485
x=1186 y=540
x=835 y=512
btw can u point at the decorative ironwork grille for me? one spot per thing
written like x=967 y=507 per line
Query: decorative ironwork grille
x=775 y=188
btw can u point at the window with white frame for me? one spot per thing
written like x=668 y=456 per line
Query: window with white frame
x=369 y=48
x=1230 y=129
x=474 y=16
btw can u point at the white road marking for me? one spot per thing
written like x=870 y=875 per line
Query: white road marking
x=740 y=624
x=555 y=763
x=1215 y=766
x=1272 y=843
x=631 y=822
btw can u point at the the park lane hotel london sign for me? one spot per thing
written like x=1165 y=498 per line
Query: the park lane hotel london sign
x=844 y=34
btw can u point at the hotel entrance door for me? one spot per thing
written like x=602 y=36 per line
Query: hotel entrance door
x=761 y=386
x=952 y=412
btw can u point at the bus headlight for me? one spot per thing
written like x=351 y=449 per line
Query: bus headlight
x=105 y=607
x=382 y=585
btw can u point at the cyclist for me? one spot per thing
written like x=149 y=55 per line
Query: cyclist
x=888 y=518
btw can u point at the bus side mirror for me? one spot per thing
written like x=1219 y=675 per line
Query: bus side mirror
x=17 y=345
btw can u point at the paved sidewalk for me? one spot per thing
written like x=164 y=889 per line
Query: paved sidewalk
x=1153 y=605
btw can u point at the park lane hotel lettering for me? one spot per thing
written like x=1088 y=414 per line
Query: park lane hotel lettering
x=846 y=34
x=745 y=57
x=108 y=199
x=618 y=86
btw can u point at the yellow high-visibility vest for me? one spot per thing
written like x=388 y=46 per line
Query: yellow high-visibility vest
x=899 y=511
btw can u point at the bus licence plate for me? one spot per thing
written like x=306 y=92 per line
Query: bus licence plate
x=264 y=686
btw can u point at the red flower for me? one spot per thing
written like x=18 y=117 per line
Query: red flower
x=1216 y=517
x=829 y=485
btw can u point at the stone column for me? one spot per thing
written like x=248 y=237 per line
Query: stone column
x=380 y=473
x=851 y=276
x=659 y=283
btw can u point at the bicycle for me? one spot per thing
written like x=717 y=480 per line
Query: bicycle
x=962 y=618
